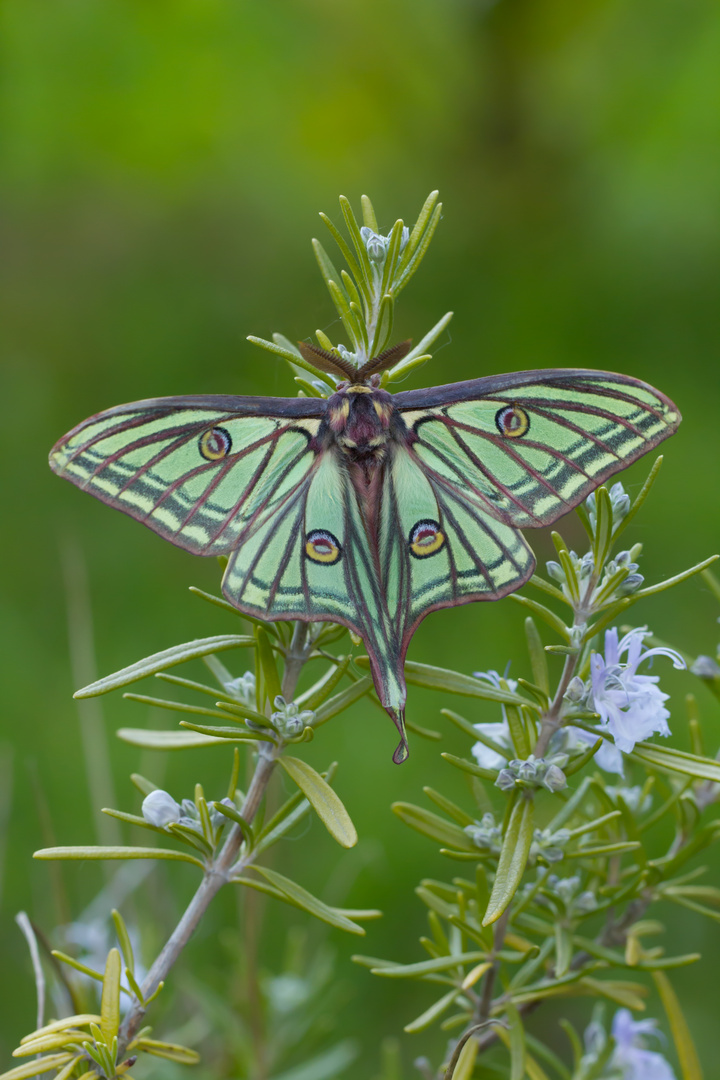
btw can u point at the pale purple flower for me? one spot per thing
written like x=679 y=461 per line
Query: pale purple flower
x=499 y=732
x=631 y=1056
x=631 y=706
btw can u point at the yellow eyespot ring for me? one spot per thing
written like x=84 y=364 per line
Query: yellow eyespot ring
x=215 y=444
x=322 y=547
x=512 y=421
x=425 y=538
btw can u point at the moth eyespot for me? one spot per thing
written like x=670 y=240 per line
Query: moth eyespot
x=512 y=421
x=322 y=547
x=215 y=444
x=426 y=538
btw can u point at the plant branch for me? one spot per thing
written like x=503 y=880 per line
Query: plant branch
x=219 y=872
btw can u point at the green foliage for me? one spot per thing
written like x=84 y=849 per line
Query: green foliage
x=565 y=874
x=558 y=877
x=380 y=267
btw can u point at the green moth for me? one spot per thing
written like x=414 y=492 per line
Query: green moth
x=368 y=509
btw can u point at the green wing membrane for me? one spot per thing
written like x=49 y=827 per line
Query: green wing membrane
x=260 y=480
x=275 y=572
x=473 y=555
x=195 y=470
x=582 y=426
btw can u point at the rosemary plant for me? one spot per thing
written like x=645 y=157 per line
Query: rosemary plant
x=562 y=861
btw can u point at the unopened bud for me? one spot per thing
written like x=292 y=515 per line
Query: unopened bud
x=554 y=779
x=160 y=809
x=576 y=690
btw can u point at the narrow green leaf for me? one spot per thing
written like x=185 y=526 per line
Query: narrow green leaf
x=678 y=761
x=229 y=733
x=476 y=736
x=580 y=760
x=428 y=967
x=451 y=809
x=178 y=654
x=69 y=1022
x=391 y=257
x=550 y=590
x=324 y=689
x=603 y=525
x=190 y=684
x=712 y=582
x=404 y=368
x=143 y=785
x=166 y=740
x=44 y=1043
x=516 y=1035
x=186 y=835
x=134 y=986
x=538 y=656
x=421 y=348
x=110 y=1000
x=518 y=734
x=347 y=255
x=453 y=682
x=563 y=949
x=687 y=1054
x=124 y=939
x=513 y=857
x=416 y=258
x=266 y=658
x=384 y=326
x=419 y=227
x=173 y=706
x=642 y=496
x=591 y=851
x=39 y=1065
x=324 y=801
x=234 y=815
x=358 y=242
x=132 y=819
x=218 y=601
x=470 y=766
x=368 y=212
x=114 y=853
x=622 y=993
x=303 y=899
x=465 y=1064
x=339 y=702
x=429 y=824
x=430 y=1015
x=424 y=733
x=669 y=582
x=290 y=355
x=170 y=1051
x=543 y=613
x=235 y=709
x=73 y=963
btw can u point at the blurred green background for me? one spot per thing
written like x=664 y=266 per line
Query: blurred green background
x=162 y=169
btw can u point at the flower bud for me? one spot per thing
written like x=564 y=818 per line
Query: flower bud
x=576 y=690
x=554 y=779
x=159 y=808
x=555 y=571
x=705 y=667
x=374 y=243
x=505 y=780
